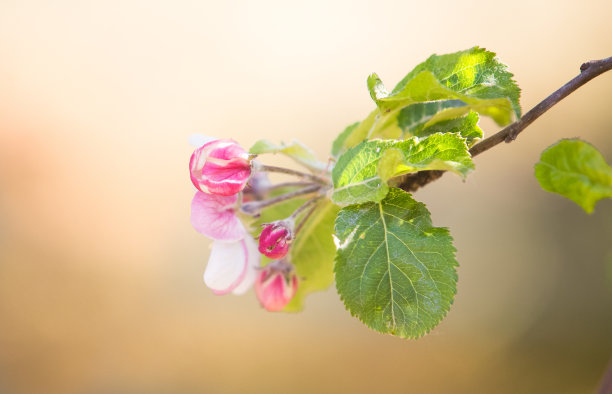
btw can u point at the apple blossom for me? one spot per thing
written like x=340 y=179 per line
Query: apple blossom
x=220 y=167
x=276 y=285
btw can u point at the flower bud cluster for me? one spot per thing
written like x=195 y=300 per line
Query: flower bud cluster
x=230 y=183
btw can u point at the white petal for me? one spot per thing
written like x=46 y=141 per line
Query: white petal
x=198 y=140
x=227 y=266
x=253 y=263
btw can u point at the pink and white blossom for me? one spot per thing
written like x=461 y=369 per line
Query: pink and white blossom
x=215 y=217
x=276 y=285
x=220 y=167
x=275 y=239
x=232 y=266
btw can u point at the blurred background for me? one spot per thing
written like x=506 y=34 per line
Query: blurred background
x=101 y=272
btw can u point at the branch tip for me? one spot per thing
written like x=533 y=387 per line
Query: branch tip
x=588 y=71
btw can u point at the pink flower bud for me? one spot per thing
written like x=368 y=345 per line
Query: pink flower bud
x=220 y=167
x=275 y=239
x=276 y=285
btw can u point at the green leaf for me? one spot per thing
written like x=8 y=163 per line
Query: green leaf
x=576 y=170
x=295 y=150
x=361 y=174
x=394 y=270
x=466 y=126
x=441 y=88
x=474 y=72
x=313 y=252
x=426 y=87
x=414 y=116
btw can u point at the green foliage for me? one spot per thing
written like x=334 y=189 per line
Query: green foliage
x=576 y=170
x=361 y=174
x=440 y=89
x=413 y=117
x=426 y=87
x=475 y=72
x=394 y=270
x=295 y=150
x=466 y=126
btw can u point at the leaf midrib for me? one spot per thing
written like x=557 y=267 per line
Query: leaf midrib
x=384 y=223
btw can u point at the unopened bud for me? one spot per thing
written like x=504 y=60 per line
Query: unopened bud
x=276 y=285
x=220 y=167
x=275 y=239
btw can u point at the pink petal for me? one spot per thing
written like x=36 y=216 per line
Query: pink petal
x=214 y=216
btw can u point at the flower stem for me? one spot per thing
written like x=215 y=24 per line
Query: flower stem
x=251 y=208
x=267 y=189
x=304 y=219
x=295 y=214
x=289 y=171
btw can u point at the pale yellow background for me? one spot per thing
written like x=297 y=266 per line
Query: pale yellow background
x=101 y=273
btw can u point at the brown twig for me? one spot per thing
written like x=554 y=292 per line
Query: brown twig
x=588 y=71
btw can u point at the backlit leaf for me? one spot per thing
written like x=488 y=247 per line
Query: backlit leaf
x=576 y=170
x=394 y=270
x=361 y=174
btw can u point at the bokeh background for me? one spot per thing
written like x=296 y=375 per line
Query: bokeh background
x=101 y=273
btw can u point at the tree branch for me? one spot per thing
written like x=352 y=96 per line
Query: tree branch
x=588 y=71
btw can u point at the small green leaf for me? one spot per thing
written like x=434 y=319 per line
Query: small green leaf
x=376 y=88
x=441 y=88
x=295 y=150
x=361 y=174
x=414 y=116
x=475 y=72
x=394 y=270
x=466 y=126
x=313 y=252
x=576 y=170
x=426 y=87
